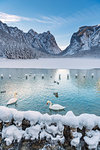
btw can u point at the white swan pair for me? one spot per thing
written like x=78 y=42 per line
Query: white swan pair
x=55 y=106
x=51 y=106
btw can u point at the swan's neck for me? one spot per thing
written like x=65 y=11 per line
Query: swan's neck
x=50 y=104
x=14 y=95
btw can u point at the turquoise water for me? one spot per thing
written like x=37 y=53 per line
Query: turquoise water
x=80 y=95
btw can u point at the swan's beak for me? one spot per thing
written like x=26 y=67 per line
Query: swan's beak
x=47 y=103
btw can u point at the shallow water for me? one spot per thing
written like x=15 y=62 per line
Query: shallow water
x=80 y=95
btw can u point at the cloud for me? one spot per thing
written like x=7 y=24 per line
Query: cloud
x=52 y=20
x=4 y=17
x=79 y=17
x=66 y=25
x=84 y=14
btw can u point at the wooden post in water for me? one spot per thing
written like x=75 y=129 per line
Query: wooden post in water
x=9 y=76
x=26 y=76
x=67 y=76
x=34 y=76
x=2 y=76
x=92 y=75
x=59 y=76
x=84 y=76
x=42 y=76
x=76 y=75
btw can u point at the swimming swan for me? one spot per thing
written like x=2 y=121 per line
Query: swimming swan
x=55 y=106
x=13 y=100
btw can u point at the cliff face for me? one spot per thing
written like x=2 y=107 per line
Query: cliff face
x=86 y=40
x=14 y=43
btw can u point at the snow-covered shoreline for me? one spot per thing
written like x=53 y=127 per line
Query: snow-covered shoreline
x=53 y=128
x=51 y=63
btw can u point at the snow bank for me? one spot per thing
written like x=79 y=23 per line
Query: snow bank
x=70 y=119
x=11 y=134
x=32 y=132
x=32 y=116
x=85 y=120
x=49 y=127
x=88 y=120
x=52 y=63
x=5 y=114
x=76 y=139
x=92 y=139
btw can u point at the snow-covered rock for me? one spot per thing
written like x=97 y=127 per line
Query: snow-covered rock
x=11 y=134
x=52 y=128
x=70 y=119
x=5 y=114
x=89 y=121
x=32 y=132
x=33 y=116
x=76 y=139
x=14 y=43
x=85 y=40
x=92 y=139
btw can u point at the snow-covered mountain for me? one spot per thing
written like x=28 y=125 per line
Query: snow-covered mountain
x=84 y=42
x=14 y=43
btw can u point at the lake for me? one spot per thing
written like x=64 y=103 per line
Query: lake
x=79 y=94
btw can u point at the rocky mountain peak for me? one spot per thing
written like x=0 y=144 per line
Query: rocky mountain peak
x=32 y=32
x=15 y=43
x=4 y=27
x=87 y=38
x=48 y=32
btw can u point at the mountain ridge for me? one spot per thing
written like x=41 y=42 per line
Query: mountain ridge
x=14 y=43
x=86 y=41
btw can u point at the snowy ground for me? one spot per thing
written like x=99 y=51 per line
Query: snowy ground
x=52 y=63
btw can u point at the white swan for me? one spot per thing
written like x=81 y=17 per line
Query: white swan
x=55 y=106
x=12 y=100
